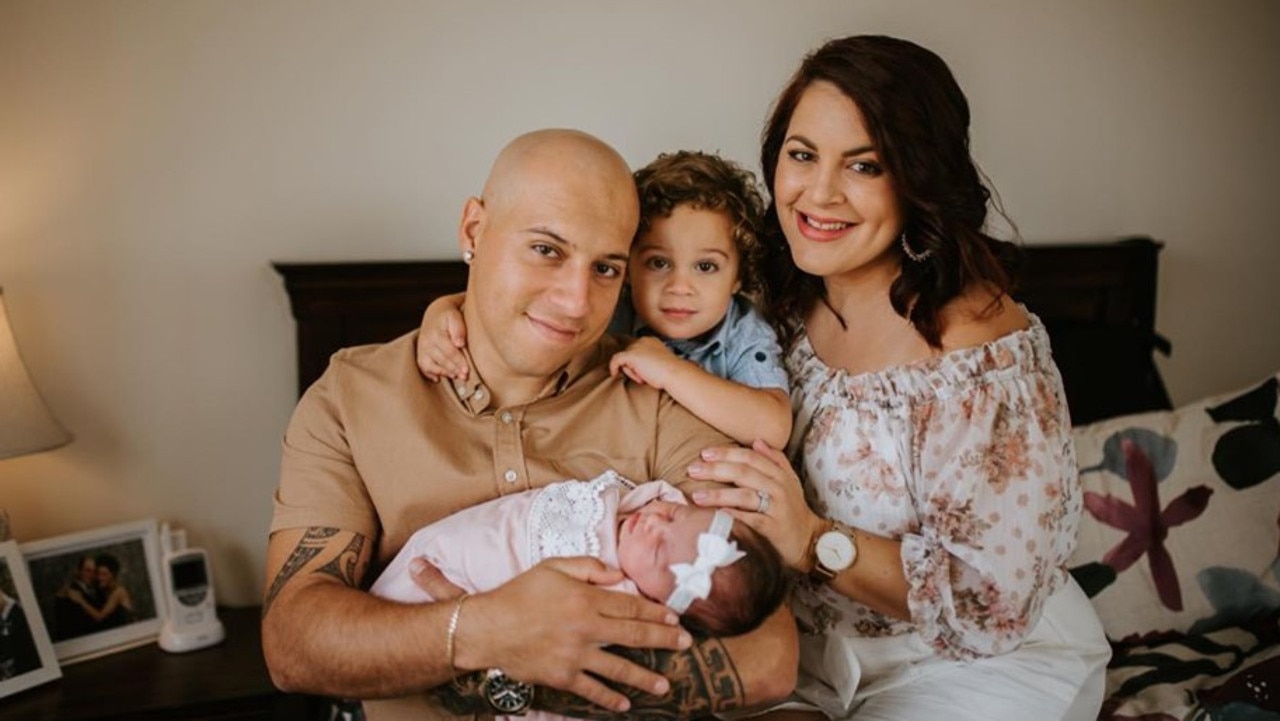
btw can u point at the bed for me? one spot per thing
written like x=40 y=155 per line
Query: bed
x=1198 y=653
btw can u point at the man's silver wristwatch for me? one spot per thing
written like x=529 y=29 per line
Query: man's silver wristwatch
x=834 y=550
x=506 y=695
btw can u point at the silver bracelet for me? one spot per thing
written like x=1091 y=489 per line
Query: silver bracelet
x=453 y=631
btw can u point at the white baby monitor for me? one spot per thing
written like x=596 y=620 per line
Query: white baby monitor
x=188 y=588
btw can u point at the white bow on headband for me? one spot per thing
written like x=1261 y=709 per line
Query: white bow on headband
x=693 y=580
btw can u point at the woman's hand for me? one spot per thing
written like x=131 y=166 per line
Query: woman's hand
x=441 y=338
x=761 y=490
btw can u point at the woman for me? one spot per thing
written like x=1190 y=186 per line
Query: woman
x=937 y=500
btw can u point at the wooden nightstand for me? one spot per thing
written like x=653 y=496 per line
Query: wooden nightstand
x=224 y=682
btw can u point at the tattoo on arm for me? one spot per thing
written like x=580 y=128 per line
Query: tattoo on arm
x=343 y=566
x=703 y=681
x=462 y=696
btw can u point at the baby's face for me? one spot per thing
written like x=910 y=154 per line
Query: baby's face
x=684 y=272
x=656 y=536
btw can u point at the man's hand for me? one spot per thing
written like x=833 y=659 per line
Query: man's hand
x=430 y=579
x=549 y=625
x=646 y=361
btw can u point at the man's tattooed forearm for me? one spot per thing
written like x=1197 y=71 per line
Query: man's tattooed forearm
x=312 y=543
x=703 y=681
x=723 y=685
x=462 y=696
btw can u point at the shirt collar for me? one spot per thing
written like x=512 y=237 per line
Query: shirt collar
x=475 y=396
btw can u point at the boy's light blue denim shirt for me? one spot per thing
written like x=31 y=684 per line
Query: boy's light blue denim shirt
x=742 y=348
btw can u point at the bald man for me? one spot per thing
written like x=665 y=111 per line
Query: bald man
x=373 y=452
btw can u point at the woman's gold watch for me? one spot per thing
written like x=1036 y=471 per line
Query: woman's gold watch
x=834 y=550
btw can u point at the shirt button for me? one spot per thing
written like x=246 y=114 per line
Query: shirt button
x=506 y=416
x=479 y=394
x=510 y=475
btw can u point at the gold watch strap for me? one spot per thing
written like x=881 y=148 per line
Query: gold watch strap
x=819 y=573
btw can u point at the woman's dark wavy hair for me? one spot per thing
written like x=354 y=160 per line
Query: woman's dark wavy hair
x=918 y=120
x=109 y=561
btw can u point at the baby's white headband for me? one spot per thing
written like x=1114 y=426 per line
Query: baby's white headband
x=715 y=550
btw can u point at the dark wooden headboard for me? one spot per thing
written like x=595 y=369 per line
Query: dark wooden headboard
x=1096 y=299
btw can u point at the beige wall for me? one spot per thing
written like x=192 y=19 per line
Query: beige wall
x=155 y=156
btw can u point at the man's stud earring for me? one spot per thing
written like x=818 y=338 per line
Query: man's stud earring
x=468 y=256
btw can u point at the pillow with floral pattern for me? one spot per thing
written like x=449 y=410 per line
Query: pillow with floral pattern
x=1181 y=524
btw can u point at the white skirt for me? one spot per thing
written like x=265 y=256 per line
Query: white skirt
x=1059 y=672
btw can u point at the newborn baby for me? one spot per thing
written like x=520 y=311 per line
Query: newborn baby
x=723 y=577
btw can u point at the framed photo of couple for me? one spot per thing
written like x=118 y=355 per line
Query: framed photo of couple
x=26 y=653
x=99 y=590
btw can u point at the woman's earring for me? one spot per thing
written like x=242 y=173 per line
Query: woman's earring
x=914 y=256
x=468 y=256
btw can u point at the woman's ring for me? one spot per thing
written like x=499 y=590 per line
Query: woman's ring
x=765 y=500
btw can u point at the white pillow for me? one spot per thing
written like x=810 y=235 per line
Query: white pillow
x=1201 y=482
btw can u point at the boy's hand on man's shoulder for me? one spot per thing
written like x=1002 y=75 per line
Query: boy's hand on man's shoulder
x=441 y=337
x=647 y=360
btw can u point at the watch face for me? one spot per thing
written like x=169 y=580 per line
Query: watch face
x=835 y=550
x=507 y=695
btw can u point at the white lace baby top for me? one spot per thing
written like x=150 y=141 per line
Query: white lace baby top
x=567 y=518
x=968 y=460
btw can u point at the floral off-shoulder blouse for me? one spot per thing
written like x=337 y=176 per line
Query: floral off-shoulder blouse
x=967 y=458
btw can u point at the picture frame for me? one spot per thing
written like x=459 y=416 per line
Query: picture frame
x=27 y=657
x=98 y=590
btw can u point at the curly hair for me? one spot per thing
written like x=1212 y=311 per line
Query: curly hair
x=918 y=120
x=706 y=182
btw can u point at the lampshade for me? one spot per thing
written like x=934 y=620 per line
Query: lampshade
x=26 y=425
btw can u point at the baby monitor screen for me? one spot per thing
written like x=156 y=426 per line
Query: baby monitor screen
x=189 y=573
